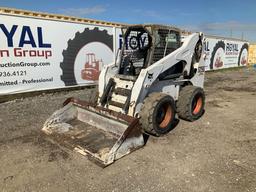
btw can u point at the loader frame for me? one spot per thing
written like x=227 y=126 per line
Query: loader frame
x=148 y=79
x=112 y=127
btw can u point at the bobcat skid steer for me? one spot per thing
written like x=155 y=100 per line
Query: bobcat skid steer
x=156 y=79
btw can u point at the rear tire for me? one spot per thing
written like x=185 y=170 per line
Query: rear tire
x=190 y=105
x=157 y=114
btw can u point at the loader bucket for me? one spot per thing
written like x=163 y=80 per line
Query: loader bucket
x=101 y=134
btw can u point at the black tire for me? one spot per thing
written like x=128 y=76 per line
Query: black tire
x=157 y=115
x=219 y=44
x=191 y=102
x=74 y=46
x=245 y=46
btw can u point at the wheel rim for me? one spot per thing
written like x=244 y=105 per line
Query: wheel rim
x=164 y=115
x=197 y=104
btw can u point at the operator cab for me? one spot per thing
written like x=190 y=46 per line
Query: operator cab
x=135 y=50
x=146 y=44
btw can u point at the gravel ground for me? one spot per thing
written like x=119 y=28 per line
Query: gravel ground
x=215 y=153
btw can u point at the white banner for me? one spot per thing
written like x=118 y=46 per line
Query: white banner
x=224 y=53
x=37 y=54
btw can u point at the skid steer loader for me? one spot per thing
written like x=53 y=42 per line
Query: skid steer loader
x=155 y=80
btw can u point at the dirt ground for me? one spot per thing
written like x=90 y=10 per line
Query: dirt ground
x=215 y=153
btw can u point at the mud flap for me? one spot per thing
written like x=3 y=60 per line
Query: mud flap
x=102 y=134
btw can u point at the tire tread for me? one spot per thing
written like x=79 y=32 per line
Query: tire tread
x=184 y=102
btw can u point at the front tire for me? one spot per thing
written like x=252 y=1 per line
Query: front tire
x=157 y=114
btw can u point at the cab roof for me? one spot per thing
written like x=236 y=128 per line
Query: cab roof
x=153 y=26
